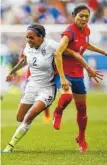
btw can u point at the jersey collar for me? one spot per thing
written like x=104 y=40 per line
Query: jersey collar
x=79 y=29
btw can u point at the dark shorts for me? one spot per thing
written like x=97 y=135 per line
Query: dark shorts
x=77 y=84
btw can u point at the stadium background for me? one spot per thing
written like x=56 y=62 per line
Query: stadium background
x=54 y=15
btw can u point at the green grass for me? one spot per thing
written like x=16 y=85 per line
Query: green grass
x=45 y=146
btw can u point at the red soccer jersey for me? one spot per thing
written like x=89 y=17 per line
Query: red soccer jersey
x=78 y=42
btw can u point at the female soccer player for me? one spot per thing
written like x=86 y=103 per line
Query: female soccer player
x=75 y=37
x=40 y=89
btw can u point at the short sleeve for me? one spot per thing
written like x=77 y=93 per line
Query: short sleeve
x=69 y=33
x=54 y=44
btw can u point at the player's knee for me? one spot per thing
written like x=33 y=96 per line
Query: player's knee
x=81 y=107
x=64 y=100
x=19 y=118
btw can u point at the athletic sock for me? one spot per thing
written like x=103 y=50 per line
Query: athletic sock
x=81 y=119
x=64 y=100
x=20 y=132
x=82 y=123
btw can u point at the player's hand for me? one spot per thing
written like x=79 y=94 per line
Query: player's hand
x=65 y=83
x=10 y=77
x=95 y=74
x=105 y=53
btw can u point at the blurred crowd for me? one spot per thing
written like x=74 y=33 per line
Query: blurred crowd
x=49 y=11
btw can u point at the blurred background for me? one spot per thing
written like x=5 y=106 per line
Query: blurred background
x=55 y=15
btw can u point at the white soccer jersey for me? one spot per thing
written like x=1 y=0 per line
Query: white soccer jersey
x=40 y=62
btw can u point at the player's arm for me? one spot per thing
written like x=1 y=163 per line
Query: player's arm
x=20 y=65
x=78 y=57
x=58 y=60
x=91 y=72
x=96 y=49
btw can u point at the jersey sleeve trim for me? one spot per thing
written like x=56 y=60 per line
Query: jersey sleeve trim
x=70 y=34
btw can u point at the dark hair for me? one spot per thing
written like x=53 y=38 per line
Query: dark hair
x=39 y=29
x=80 y=7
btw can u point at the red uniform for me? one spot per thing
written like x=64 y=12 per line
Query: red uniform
x=78 y=42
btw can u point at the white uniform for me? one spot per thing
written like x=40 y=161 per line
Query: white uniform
x=41 y=85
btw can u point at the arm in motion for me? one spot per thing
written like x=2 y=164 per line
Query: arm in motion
x=96 y=49
x=91 y=71
x=58 y=60
x=20 y=65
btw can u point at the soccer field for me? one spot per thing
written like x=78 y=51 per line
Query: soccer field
x=43 y=145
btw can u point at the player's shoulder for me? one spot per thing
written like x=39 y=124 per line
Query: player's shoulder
x=51 y=42
x=71 y=26
x=26 y=49
x=27 y=46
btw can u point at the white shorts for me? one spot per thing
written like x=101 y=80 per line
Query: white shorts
x=32 y=94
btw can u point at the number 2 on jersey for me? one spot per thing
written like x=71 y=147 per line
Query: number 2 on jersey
x=34 y=61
